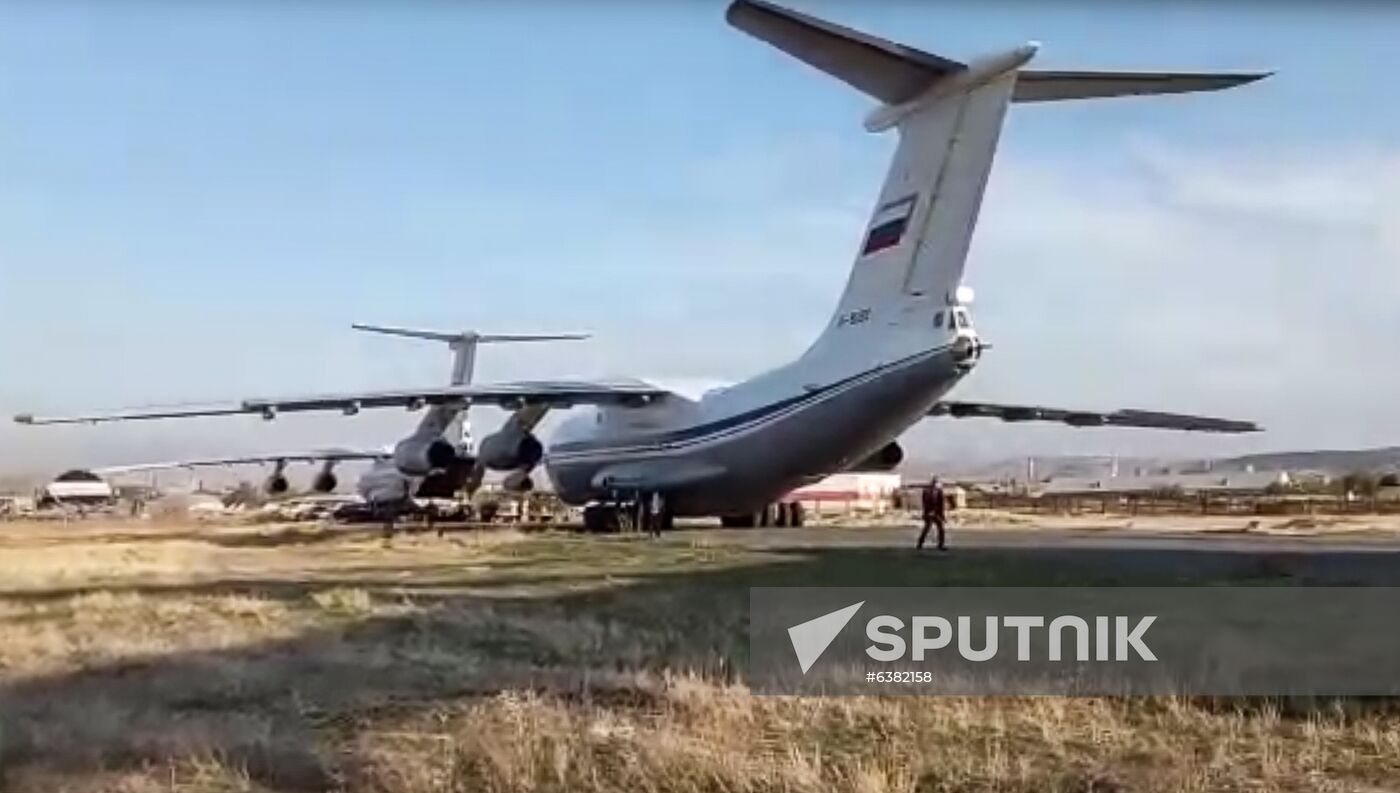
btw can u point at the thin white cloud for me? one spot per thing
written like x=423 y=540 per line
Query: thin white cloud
x=1347 y=187
x=1250 y=283
x=1247 y=283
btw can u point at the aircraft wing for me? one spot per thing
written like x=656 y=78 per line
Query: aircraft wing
x=314 y=456
x=1149 y=419
x=552 y=393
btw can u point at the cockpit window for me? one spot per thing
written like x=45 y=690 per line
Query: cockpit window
x=938 y=320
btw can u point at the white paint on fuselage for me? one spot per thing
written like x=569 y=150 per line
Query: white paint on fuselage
x=883 y=359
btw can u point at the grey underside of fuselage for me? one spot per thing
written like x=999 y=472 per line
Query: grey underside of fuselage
x=739 y=469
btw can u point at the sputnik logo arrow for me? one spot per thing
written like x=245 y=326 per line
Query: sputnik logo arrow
x=811 y=638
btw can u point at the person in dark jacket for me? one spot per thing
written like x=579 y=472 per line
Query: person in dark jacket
x=935 y=512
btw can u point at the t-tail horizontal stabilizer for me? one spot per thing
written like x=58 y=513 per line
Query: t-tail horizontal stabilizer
x=896 y=74
x=463 y=345
x=469 y=335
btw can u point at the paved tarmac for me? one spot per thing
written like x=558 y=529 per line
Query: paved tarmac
x=1351 y=558
x=1108 y=538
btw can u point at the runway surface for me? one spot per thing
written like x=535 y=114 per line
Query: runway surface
x=1351 y=558
x=1037 y=537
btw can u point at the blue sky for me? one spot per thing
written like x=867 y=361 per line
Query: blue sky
x=197 y=199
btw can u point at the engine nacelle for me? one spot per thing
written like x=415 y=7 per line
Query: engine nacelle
x=447 y=482
x=276 y=485
x=889 y=456
x=422 y=456
x=383 y=484
x=518 y=482
x=509 y=449
x=324 y=482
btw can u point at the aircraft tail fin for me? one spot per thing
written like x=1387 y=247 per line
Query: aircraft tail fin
x=948 y=116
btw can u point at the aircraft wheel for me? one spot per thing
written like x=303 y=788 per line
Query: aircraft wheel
x=599 y=519
x=779 y=515
x=796 y=516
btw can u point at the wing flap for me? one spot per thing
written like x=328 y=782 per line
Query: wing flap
x=322 y=455
x=134 y=413
x=1145 y=419
x=554 y=394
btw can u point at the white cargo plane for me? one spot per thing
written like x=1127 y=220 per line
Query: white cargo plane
x=383 y=478
x=901 y=336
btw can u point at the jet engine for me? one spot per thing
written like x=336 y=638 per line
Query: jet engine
x=276 y=485
x=446 y=483
x=518 y=481
x=383 y=484
x=888 y=456
x=324 y=482
x=509 y=449
x=420 y=456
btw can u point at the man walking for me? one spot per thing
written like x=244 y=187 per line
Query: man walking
x=657 y=513
x=935 y=512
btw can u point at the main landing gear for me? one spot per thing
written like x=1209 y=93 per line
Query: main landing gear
x=783 y=514
x=631 y=512
x=650 y=513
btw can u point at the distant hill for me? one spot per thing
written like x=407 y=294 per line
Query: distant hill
x=1052 y=466
x=1332 y=461
x=1337 y=461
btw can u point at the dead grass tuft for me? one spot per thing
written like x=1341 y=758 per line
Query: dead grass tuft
x=703 y=737
x=342 y=601
x=240 y=658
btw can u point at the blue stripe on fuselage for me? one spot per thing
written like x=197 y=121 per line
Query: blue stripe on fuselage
x=701 y=431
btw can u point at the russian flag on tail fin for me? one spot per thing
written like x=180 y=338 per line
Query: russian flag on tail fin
x=889 y=224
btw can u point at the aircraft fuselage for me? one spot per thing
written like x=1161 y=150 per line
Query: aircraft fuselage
x=733 y=459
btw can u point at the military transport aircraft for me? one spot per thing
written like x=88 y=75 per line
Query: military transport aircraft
x=900 y=339
x=383 y=485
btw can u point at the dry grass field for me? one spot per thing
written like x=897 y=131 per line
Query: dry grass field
x=146 y=657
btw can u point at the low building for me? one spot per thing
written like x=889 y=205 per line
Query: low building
x=16 y=506
x=77 y=488
x=866 y=492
